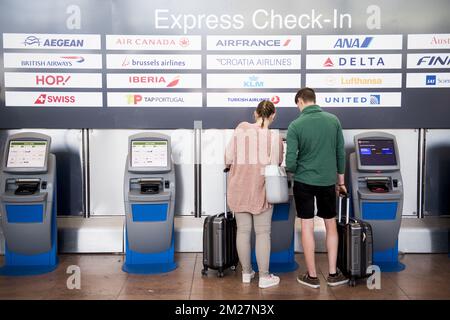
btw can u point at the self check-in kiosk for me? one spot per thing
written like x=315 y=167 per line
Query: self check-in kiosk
x=28 y=205
x=149 y=190
x=377 y=190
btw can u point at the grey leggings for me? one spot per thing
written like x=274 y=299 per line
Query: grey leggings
x=262 y=223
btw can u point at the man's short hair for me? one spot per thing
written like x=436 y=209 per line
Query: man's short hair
x=306 y=94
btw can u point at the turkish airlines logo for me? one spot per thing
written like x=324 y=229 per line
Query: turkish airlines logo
x=49 y=99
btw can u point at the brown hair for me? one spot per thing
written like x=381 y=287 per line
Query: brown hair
x=306 y=94
x=264 y=110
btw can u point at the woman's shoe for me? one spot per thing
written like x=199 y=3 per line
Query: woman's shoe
x=268 y=281
x=247 y=277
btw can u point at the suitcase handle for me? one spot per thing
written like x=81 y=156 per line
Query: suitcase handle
x=347 y=207
x=225 y=185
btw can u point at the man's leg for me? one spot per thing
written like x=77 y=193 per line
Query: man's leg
x=332 y=243
x=309 y=245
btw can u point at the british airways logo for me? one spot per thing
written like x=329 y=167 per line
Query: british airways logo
x=352 y=42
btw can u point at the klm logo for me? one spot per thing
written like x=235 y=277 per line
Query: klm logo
x=349 y=43
x=253 y=82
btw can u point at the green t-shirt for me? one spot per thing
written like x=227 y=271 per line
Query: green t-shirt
x=315 y=147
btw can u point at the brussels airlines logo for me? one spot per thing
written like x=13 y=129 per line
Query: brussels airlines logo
x=49 y=99
x=434 y=60
x=353 y=42
x=36 y=42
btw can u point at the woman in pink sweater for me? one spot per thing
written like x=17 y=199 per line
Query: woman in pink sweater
x=252 y=147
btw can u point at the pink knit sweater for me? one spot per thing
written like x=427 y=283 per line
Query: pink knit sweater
x=249 y=151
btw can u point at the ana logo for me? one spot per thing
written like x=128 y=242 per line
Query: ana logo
x=375 y=99
x=430 y=80
x=78 y=59
x=434 y=60
x=349 y=43
x=275 y=99
x=134 y=98
x=31 y=41
x=47 y=99
x=253 y=82
x=184 y=42
x=328 y=63
x=174 y=82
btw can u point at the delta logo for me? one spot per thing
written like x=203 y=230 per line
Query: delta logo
x=328 y=63
x=253 y=43
x=353 y=42
x=355 y=61
x=54 y=99
x=53 y=42
x=155 y=80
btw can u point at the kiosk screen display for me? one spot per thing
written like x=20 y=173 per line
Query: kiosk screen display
x=27 y=154
x=147 y=154
x=377 y=152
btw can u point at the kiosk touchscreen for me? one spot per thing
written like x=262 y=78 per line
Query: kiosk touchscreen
x=28 y=205
x=149 y=187
x=377 y=190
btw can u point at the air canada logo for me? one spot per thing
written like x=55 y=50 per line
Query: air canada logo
x=184 y=42
x=328 y=63
x=31 y=41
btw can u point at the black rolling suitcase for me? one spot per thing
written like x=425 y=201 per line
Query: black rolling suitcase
x=219 y=240
x=355 y=245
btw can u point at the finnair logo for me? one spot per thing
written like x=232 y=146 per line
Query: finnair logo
x=353 y=42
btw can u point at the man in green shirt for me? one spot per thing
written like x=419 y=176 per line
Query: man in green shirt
x=315 y=154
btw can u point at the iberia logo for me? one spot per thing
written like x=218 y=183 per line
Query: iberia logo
x=328 y=63
x=275 y=99
x=174 y=82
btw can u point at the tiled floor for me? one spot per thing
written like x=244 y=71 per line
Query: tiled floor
x=427 y=276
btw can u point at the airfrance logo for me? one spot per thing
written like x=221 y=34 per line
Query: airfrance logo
x=253 y=82
x=349 y=43
x=437 y=60
x=56 y=42
x=430 y=80
x=252 y=43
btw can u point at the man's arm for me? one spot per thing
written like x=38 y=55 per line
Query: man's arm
x=291 y=150
x=340 y=157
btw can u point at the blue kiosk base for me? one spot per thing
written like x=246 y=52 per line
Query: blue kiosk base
x=149 y=263
x=280 y=262
x=387 y=260
x=22 y=265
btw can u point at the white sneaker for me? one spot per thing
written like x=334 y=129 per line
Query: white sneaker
x=268 y=281
x=247 y=277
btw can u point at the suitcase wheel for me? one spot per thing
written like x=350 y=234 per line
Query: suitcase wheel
x=233 y=268
x=352 y=282
x=220 y=273
x=204 y=271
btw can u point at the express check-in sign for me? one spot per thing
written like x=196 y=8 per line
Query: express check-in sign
x=157 y=64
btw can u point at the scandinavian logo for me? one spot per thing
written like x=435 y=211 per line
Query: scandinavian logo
x=430 y=80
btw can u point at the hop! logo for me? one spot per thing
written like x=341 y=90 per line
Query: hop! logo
x=184 y=42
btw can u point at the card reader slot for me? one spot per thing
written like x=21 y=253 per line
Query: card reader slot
x=26 y=187
x=378 y=185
